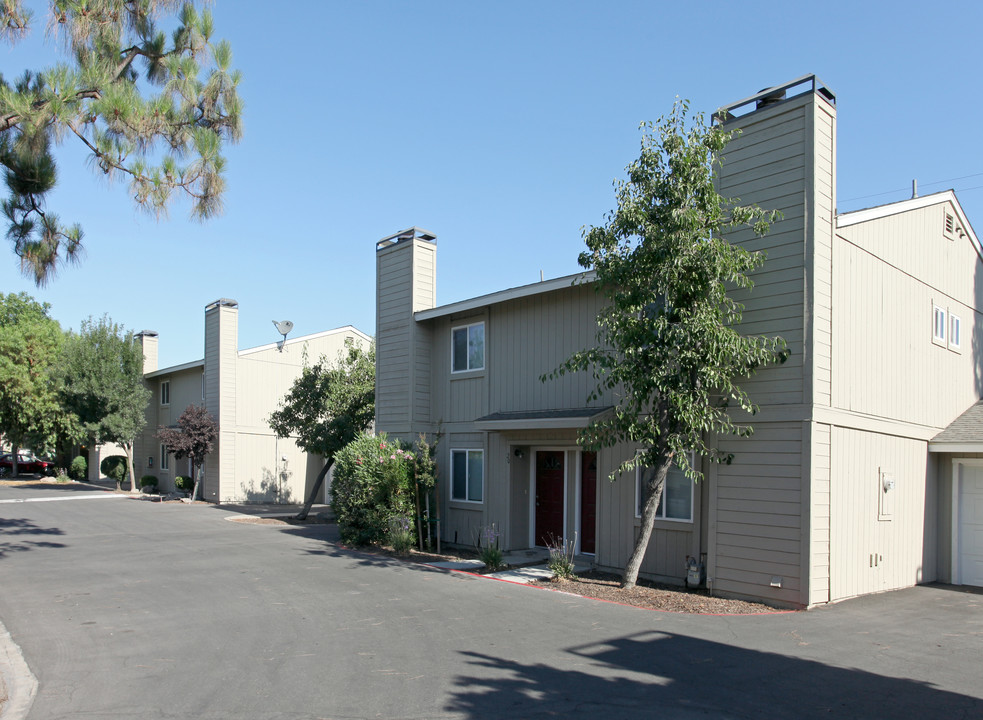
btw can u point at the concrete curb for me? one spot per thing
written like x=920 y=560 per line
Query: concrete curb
x=20 y=683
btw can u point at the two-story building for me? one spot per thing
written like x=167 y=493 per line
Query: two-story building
x=240 y=388
x=851 y=482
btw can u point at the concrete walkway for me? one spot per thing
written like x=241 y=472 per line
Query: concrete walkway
x=524 y=566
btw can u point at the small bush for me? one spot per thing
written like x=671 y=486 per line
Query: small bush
x=401 y=534
x=79 y=468
x=373 y=483
x=561 y=557
x=114 y=467
x=148 y=481
x=490 y=553
x=183 y=483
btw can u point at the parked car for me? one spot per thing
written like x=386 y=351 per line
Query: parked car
x=27 y=464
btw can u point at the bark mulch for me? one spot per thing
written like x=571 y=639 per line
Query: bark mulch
x=592 y=584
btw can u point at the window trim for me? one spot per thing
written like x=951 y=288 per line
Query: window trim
x=467 y=327
x=940 y=322
x=467 y=479
x=662 y=518
x=165 y=392
x=955 y=330
x=165 y=461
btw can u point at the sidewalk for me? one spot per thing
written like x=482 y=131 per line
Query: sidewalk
x=525 y=566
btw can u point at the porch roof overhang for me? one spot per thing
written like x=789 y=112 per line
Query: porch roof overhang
x=964 y=434
x=570 y=418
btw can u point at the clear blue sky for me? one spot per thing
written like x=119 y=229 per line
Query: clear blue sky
x=499 y=127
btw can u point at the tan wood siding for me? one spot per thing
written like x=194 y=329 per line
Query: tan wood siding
x=868 y=554
x=883 y=358
x=757 y=515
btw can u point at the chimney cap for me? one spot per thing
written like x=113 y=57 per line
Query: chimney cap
x=147 y=333
x=222 y=302
x=404 y=235
x=774 y=95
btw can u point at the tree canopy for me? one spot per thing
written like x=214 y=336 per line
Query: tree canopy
x=193 y=438
x=329 y=405
x=102 y=371
x=668 y=343
x=153 y=110
x=30 y=341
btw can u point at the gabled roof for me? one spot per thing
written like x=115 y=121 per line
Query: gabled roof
x=881 y=211
x=539 y=288
x=964 y=434
x=175 y=368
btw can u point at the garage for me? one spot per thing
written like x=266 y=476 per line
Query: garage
x=968 y=525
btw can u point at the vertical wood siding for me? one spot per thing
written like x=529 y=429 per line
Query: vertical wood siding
x=904 y=546
x=888 y=275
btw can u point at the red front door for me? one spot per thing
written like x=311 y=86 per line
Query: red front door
x=549 y=497
x=588 y=501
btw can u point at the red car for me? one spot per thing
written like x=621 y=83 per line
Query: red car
x=27 y=464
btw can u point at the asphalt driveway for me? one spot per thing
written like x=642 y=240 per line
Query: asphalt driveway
x=127 y=608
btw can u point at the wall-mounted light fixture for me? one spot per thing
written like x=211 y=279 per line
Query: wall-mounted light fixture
x=520 y=453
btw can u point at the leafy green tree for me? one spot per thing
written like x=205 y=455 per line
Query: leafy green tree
x=102 y=371
x=193 y=438
x=328 y=406
x=30 y=341
x=152 y=111
x=668 y=343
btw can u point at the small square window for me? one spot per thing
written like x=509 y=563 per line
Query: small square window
x=468 y=348
x=677 y=494
x=938 y=325
x=165 y=392
x=955 y=332
x=467 y=475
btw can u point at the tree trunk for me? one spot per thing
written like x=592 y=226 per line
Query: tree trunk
x=14 y=452
x=129 y=466
x=653 y=494
x=318 y=481
x=199 y=471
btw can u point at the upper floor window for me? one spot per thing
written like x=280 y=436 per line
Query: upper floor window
x=468 y=347
x=677 y=494
x=955 y=331
x=467 y=475
x=165 y=392
x=938 y=325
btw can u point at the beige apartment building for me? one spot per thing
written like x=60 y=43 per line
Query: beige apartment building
x=863 y=473
x=240 y=388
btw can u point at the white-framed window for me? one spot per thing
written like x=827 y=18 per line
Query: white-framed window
x=468 y=347
x=164 y=460
x=938 y=325
x=165 y=392
x=468 y=475
x=955 y=332
x=676 y=503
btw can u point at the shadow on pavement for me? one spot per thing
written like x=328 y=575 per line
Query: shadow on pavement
x=665 y=675
x=16 y=536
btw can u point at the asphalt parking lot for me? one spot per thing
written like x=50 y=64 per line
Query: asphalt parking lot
x=127 y=608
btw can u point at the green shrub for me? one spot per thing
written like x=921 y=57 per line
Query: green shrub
x=79 y=468
x=183 y=483
x=561 y=557
x=114 y=467
x=148 y=481
x=401 y=534
x=488 y=550
x=373 y=484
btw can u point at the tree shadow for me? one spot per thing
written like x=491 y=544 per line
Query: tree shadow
x=658 y=674
x=14 y=530
x=269 y=490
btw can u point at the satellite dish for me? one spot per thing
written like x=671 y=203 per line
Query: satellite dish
x=283 y=327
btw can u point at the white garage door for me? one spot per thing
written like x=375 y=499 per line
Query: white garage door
x=970 y=526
